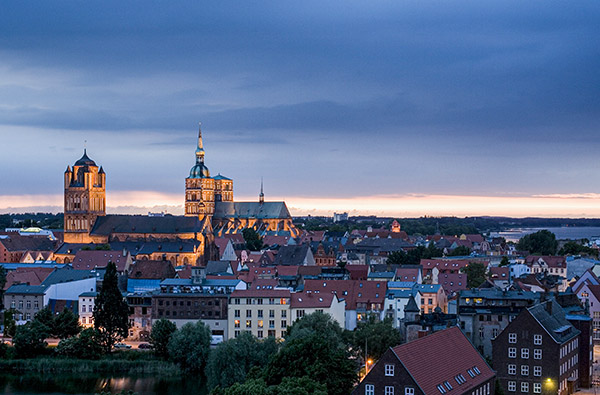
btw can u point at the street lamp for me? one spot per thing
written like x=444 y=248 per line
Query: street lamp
x=549 y=384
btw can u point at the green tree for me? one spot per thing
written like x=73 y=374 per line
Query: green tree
x=253 y=240
x=542 y=242
x=10 y=326
x=190 y=345
x=504 y=261
x=231 y=360
x=83 y=346
x=160 y=336
x=460 y=251
x=574 y=248
x=250 y=387
x=377 y=336
x=111 y=314
x=66 y=325
x=299 y=386
x=46 y=318
x=475 y=272
x=313 y=345
x=2 y=284
x=29 y=341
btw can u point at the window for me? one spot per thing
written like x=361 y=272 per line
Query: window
x=524 y=386
x=512 y=352
x=284 y=314
x=389 y=370
x=512 y=338
x=260 y=314
x=29 y=304
x=83 y=308
x=236 y=313
x=537 y=388
x=409 y=391
x=537 y=353
x=389 y=390
x=525 y=353
x=271 y=324
x=248 y=324
x=248 y=313
x=441 y=388
x=259 y=334
x=512 y=369
x=36 y=304
x=448 y=386
x=495 y=332
x=481 y=332
x=237 y=323
x=512 y=386
x=271 y=313
x=524 y=370
x=283 y=323
x=537 y=340
x=537 y=371
x=369 y=389
x=260 y=323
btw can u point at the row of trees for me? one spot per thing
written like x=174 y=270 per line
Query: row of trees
x=316 y=357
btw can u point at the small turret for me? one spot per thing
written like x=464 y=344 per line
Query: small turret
x=261 y=197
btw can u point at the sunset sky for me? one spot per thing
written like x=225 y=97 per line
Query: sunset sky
x=402 y=108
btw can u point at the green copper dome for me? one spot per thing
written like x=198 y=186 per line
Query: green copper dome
x=199 y=171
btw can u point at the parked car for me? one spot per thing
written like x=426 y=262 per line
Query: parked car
x=145 y=346
x=121 y=346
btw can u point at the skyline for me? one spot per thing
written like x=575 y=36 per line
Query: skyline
x=392 y=109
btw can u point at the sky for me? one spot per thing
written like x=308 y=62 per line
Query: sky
x=402 y=108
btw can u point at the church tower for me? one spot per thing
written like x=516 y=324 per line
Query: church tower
x=85 y=199
x=199 y=186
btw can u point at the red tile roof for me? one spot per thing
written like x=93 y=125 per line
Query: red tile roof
x=358 y=272
x=284 y=270
x=444 y=264
x=355 y=292
x=264 y=284
x=152 y=270
x=262 y=293
x=453 y=282
x=439 y=357
x=499 y=272
x=551 y=261
x=407 y=274
x=89 y=259
x=24 y=275
x=475 y=238
x=595 y=289
x=312 y=300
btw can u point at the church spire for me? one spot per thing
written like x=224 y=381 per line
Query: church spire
x=200 y=149
x=261 y=197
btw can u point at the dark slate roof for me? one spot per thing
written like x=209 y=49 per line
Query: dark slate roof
x=291 y=255
x=217 y=267
x=105 y=225
x=386 y=245
x=67 y=274
x=155 y=270
x=553 y=321
x=257 y=210
x=26 y=289
x=221 y=177
x=411 y=306
x=85 y=160
x=150 y=247
x=16 y=242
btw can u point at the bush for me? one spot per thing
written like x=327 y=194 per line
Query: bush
x=160 y=336
x=29 y=341
x=189 y=346
x=84 y=346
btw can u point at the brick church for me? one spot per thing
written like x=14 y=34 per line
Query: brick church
x=210 y=211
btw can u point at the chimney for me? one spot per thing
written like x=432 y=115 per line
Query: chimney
x=549 y=307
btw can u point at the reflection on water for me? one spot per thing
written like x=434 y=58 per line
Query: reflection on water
x=91 y=384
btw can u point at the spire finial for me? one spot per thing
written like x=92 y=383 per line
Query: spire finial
x=200 y=149
x=261 y=197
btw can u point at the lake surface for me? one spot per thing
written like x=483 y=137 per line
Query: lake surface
x=29 y=384
x=567 y=232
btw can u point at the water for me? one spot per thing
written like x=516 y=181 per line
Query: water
x=570 y=232
x=30 y=384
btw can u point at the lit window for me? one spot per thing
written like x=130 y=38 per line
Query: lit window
x=369 y=389
x=389 y=370
x=524 y=386
x=389 y=390
x=537 y=388
x=537 y=371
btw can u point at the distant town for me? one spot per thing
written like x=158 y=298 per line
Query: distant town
x=401 y=306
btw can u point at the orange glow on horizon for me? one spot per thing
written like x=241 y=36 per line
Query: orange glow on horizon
x=572 y=205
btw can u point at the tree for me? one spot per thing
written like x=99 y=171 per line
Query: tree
x=299 y=386
x=379 y=336
x=66 y=325
x=160 y=336
x=29 y=341
x=313 y=345
x=231 y=361
x=542 y=242
x=190 y=345
x=504 y=261
x=460 y=251
x=46 y=318
x=10 y=325
x=111 y=315
x=574 y=248
x=253 y=240
x=2 y=284
x=475 y=274
x=84 y=346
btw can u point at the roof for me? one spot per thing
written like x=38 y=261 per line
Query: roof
x=218 y=267
x=153 y=270
x=444 y=264
x=284 y=270
x=267 y=283
x=66 y=275
x=16 y=242
x=170 y=224
x=266 y=210
x=388 y=275
x=88 y=295
x=553 y=321
x=411 y=306
x=221 y=177
x=429 y=367
x=500 y=272
x=407 y=274
x=262 y=293
x=26 y=289
x=357 y=272
x=311 y=300
x=453 y=282
x=354 y=292
x=90 y=259
x=24 y=275
x=428 y=288
x=551 y=261
x=85 y=160
x=292 y=255
x=401 y=284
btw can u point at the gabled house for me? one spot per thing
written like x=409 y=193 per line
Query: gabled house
x=443 y=363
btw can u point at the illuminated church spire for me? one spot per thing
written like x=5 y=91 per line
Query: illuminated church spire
x=200 y=149
x=261 y=197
